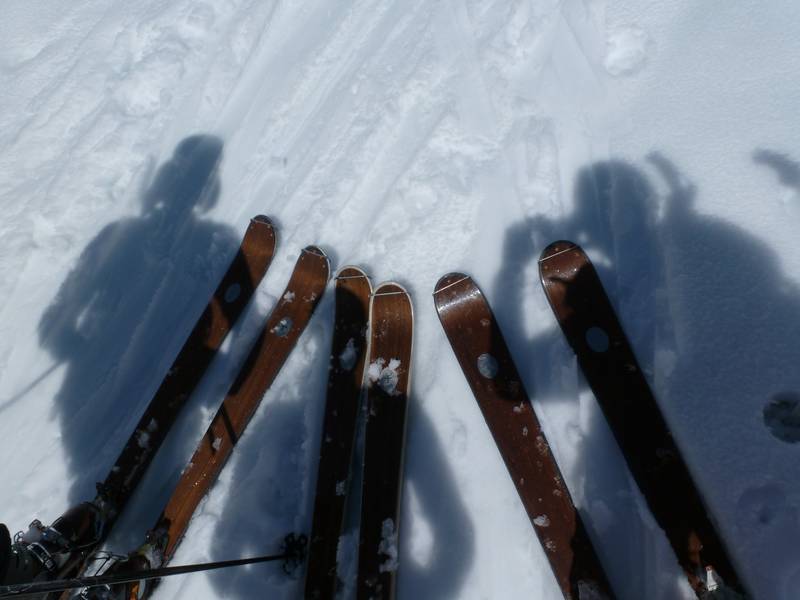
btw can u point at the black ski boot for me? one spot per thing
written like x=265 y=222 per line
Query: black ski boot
x=5 y=551
x=39 y=553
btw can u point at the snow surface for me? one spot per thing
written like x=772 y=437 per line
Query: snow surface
x=412 y=138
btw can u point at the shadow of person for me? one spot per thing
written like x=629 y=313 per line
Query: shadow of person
x=735 y=362
x=273 y=480
x=681 y=283
x=788 y=170
x=123 y=312
x=437 y=564
x=615 y=219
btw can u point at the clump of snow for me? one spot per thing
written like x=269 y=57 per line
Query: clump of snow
x=589 y=590
x=216 y=443
x=626 y=51
x=283 y=327
x=541 y=521
x=142 y=439
x=387 y=376
x=341 y=488
x=288 y=296
x=388 y=546
x=347 y=359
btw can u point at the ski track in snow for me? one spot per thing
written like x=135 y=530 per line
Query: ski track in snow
x=413 y=139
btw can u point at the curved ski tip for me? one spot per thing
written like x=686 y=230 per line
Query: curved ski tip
x=556 y=248
x=318 y=253
x=390 y=288
x=263 y=220
x=351 y=272
x=315 y=250
x=449 y=280
x=263 y=227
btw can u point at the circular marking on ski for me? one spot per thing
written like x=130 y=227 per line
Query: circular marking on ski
x=487 y=366
x=597 y=339
x=232 y=293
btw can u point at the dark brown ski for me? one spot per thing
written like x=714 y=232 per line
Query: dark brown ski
x=342 y=408
x=229 y=300
x=591 y=327
x=489 y=369
x=282 y=329
x=388 y=378
x=226 y=305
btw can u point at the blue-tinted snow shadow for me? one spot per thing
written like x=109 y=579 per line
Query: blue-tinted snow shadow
x=614 y=219
x=442 y=572
x=271 y=483
x=272 y=492
x=124 y=311
x=681 y=282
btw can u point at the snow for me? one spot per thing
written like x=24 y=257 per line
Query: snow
x=412 y=139
x=348 y=356
x=385 y=374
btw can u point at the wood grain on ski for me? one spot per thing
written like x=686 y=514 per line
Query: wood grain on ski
x=591 y=327
x=487 y=364
x=388 y=377
x=281 y=331
x=342 y=408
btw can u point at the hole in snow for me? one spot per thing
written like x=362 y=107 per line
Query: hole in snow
x=233 y=292
x=597 y=339
x=782 y=416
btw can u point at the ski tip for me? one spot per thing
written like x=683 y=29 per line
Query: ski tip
x=263 y=220
x=449 y=280
x=317 y=259
x=315 y=250
x=558 y=248
x=262 y=227
x=351 y=272
x=390 y=288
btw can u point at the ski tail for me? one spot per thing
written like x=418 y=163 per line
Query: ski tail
x=482 y=353
x=590 y=325
x=388 y=379
x=342 y=408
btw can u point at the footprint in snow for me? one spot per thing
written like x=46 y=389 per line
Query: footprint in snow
x=782 y=416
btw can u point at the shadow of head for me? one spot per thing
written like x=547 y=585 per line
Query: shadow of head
x=613 y=196
x=189 y=180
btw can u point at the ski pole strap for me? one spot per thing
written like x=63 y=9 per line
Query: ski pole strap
x=293 y=553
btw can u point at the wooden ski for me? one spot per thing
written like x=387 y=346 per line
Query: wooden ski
x=342 y=408
x=388 y=378
x=225 y=306
x=280 y=333
x=480 y=348
x=591 y=327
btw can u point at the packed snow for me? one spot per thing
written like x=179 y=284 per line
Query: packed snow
x=414 y=139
